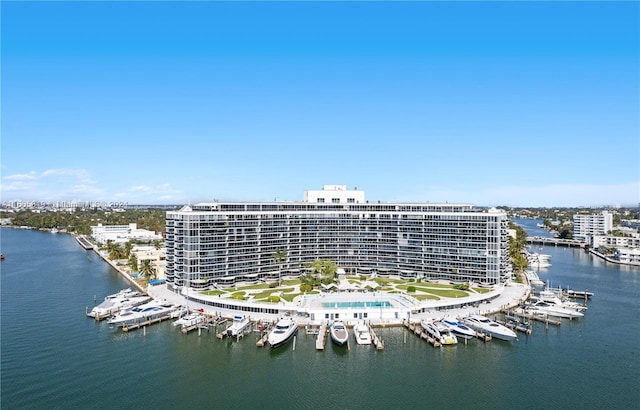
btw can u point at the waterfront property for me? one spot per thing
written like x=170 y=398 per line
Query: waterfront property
x=222 y=244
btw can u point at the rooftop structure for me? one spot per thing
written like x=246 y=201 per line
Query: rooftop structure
x=122 y=233
x=211 y=244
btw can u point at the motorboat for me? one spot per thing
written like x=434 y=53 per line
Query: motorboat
x=339 y=332
x=551 y=297
x=459 y=329
x=283 y=331
x=439 y=331
x=112 y=305
x=362 y=334
x=541 y=307
x=147 y=311
x=190 y=319
x=122 y=293
x=239 y=326
x=485 y=325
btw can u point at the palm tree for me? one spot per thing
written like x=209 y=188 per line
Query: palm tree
x=114 y=249
x=133 y=262
x=147 y=269
x=127 y=249
x=278 y=257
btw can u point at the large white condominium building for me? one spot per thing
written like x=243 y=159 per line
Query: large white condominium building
x=225 y=243
x=585 y=227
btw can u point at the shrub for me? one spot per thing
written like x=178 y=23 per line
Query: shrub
x=305 y=288
x=274 y=298
x=411 y=289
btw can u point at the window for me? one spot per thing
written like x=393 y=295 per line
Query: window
x=335 y=200
x=321 y=200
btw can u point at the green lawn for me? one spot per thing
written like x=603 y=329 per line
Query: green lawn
x=425 y=297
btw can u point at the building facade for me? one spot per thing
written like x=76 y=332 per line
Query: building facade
x=211 y=244
x=585 y=227
x=122 y=233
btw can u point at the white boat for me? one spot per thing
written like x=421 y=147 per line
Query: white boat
x=459 y=329
x=440 y=332
x=239 y=326
x=362 y=334
x=485 y=325
x=114 y=305
x=283 y=331
x=550 y=309
x=127 y=292
x=339 y=332
x=147 y=311
x=533 y=278
x=190 y=319
x=552 y=298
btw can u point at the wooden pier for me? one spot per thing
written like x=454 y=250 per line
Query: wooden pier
x=321 y=339
x=377 y=342
x=264 y=335
x=208 y=320
x=540 y=318
x=416 y=328
x=145 y=323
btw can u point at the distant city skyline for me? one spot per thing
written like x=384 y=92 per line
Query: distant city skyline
x=524 y=104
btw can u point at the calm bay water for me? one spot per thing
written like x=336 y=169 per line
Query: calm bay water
x=53 y=356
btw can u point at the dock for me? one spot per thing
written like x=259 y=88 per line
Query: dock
x=540 y=318
x=579 y=294
x=518 y=326
x=321 y=338
x=416 y=328
x=264 y=335
x=377 y=342
x=84 y=242
x=202 y=325
x=147 y=322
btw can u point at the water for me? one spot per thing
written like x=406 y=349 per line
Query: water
x=53 y=356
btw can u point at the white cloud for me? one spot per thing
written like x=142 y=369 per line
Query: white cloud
x=50 y=185
x=22 y=177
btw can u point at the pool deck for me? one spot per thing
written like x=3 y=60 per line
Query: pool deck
x=311 y=309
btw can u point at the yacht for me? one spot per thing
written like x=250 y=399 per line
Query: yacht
x=550 y=309
x=147 y=311
x=459 y=329
x=485 y=325
x=239 y=326
x=552 y=298
x=339 y=332
x=190 y=319
x=284 y=330
x=112 y=305
x=440 y=332
x=362 y=334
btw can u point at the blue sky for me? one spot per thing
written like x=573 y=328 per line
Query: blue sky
x=489 y=103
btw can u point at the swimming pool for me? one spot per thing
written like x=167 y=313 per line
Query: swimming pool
x=350 y=305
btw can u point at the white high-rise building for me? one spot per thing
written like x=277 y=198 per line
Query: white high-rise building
x=585 y=227
x=226 y=243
